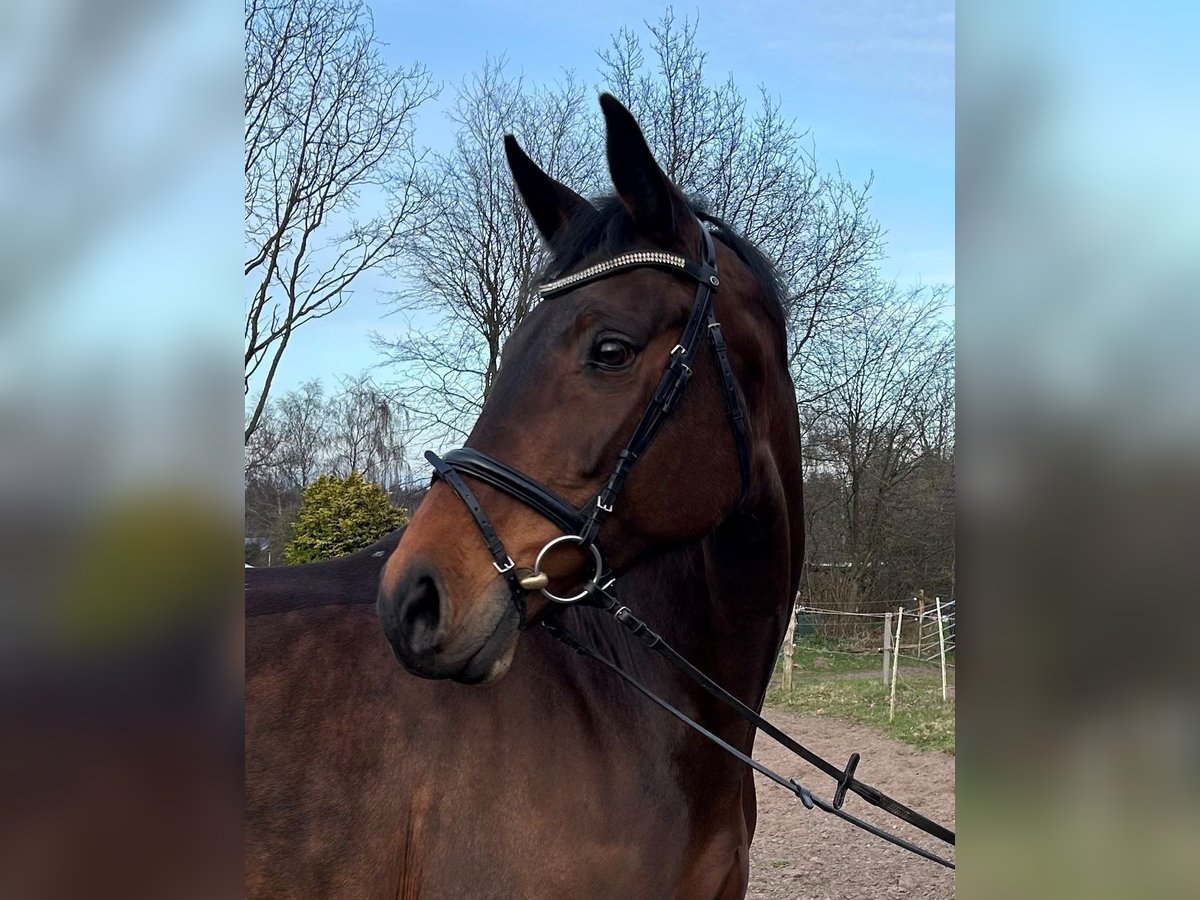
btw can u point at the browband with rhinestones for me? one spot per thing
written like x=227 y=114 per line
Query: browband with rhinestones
x=611 y=266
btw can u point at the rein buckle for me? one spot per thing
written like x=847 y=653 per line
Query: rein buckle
x=839 y=796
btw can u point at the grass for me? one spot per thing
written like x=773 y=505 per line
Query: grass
x=850 y=687
x=833 y=661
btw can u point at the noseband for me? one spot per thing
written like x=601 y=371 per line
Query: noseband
x=581 y=526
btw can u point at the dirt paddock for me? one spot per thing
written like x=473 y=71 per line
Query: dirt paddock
x=800 y=853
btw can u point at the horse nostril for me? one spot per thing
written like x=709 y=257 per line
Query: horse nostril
x=421 y=615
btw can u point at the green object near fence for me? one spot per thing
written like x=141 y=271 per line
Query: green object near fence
x=805 y=626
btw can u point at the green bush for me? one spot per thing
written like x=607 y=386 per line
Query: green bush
x=340 y=515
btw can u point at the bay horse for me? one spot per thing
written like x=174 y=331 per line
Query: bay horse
x=514 y=768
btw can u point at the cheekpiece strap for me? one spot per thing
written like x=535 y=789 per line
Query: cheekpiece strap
x=500 y=558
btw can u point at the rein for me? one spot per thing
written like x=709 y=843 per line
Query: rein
x=844 y=777
x=581 y=527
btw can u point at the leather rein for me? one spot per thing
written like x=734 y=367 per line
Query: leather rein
x=581 y=527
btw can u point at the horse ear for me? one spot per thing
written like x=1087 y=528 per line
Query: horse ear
x=644 y=188
x=550 y=203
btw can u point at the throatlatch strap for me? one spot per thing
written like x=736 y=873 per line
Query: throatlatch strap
x=733 y=406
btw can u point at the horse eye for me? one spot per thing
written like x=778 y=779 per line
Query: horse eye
x=612 y=354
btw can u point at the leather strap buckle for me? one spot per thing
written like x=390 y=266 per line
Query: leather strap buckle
x=843 y=785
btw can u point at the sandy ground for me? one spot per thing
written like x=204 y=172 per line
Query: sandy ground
x=800 y=853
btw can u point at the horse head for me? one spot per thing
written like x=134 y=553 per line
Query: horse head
x=576 y=378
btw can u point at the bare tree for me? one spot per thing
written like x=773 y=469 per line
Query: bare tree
x=361 y=427
x=283 y=454
x=880 y=437
x=330 y=169
x=472 y=262
x=299 y=422
x=754 y=169
x=366 y=426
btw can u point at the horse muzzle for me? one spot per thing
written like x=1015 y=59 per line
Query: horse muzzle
x=431 y=641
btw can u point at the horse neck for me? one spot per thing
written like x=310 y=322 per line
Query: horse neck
x=722 y=602
x=747 y=572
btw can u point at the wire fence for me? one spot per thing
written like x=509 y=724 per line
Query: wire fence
x=935 y=627
x=926 y=629
x=917 y=630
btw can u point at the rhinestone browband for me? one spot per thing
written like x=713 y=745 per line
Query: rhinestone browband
x=641 y=258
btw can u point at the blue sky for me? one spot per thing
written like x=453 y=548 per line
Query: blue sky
x=872 y=79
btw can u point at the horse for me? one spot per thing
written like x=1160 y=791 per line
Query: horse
x=412 y=731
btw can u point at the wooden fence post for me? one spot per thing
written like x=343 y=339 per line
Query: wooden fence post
x=789 y=638
x=920 y=618
x=941 y=645
x=887 y=646
x=895 y=663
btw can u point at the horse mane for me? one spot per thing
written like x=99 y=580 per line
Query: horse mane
x=608 y=230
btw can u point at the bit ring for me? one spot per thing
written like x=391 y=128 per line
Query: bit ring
x=596 y=561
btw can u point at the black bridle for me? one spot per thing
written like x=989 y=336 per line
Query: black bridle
x=582 y=526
